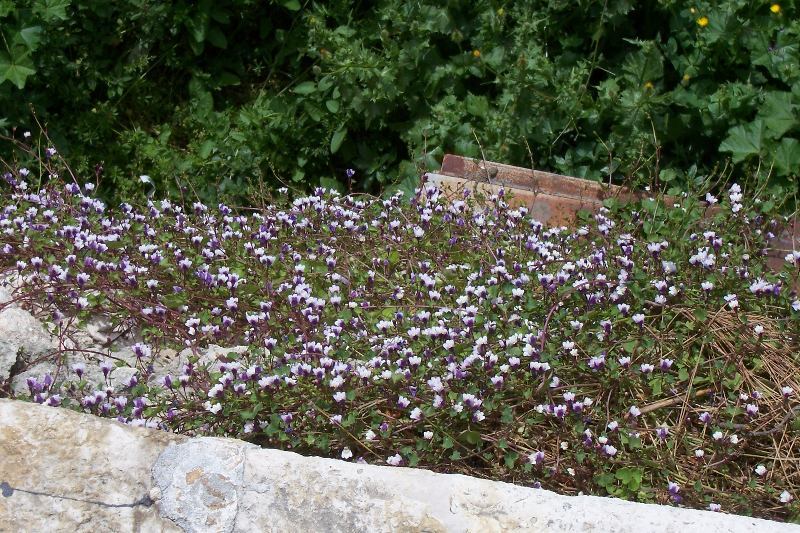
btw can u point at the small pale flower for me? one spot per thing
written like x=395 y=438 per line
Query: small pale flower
x=395 y=460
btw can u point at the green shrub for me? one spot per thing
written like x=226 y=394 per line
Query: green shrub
x=222 y=96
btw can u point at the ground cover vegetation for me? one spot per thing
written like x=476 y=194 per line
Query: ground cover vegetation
x=646 y=353
x=221 y=96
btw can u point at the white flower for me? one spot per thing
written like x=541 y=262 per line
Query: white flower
x=395 y=460
x=734 y=439
x=347 y=454
x=215 y=408
x=699 y=453
x=416 y=414
x=786 y=497
x=144 y=178
x=761 y=470
x=428 y=435
x=717 y=435
x=369 y=435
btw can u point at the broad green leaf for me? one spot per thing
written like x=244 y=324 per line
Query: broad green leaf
x=306 y=87
x=292 y=5
x=787 y=157
x=332 y=105
x=477 y=105
x=647 y=64
x=31 y=36
x=50 y=10
x=744 y=141
x=6 y=7
x=217 y=38
x=336 y=140
x=16 y=71
x=777 y=113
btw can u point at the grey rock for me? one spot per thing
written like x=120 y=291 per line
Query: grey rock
x=66 y=471
x=199 y=483
x=20 y=330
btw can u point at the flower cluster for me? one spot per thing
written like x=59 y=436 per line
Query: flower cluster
x=433 y=331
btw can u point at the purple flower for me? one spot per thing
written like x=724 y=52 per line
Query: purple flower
x=536 y=458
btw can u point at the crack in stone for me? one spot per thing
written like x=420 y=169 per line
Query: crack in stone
x=7 y=491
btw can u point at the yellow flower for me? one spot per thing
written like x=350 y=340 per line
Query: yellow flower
x=686 y=78
x=648 y=85
x=476 y=53
x=702 y=22
x=775 y=8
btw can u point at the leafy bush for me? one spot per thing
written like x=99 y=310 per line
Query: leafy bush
x=647 y=354
x=223 y=96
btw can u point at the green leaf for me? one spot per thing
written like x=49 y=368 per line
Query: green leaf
x=330 y=183
x=336 y=140
x=472 y=437
x=777 y=113
x=217 y=38
x=6 y=7
x=511 y=458
x=50 y=10
x=787 y=157
x=744 y=141
x=332 y=105
x=292 y=5
x=477 y=105
x=31 y=36
x=16 y=71
x=306 y=87
x=629 y=346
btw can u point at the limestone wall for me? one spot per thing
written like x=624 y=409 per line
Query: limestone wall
x=65 y=471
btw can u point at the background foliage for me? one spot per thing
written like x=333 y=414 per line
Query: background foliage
x=224 y=95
